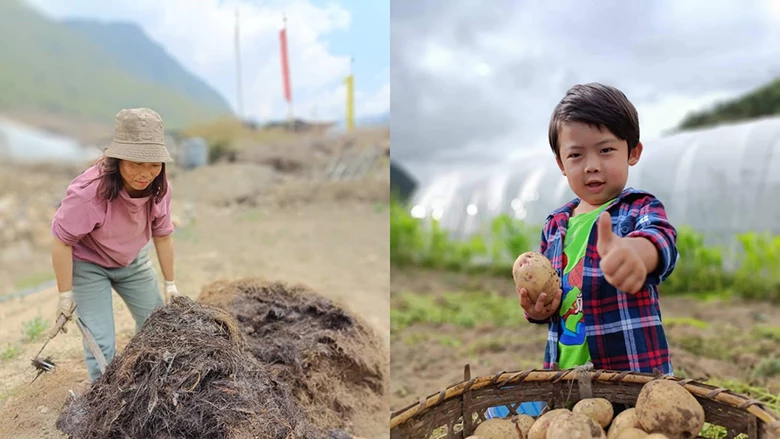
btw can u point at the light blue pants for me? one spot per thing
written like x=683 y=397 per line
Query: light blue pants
x=136 y=284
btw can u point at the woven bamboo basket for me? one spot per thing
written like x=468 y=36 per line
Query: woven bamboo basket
x=455 y=412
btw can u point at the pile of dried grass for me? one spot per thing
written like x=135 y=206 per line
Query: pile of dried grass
x=334 y=364
x=188 y=373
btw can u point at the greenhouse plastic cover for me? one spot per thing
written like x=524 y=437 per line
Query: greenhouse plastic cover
x=721 y=181
x=25 y=144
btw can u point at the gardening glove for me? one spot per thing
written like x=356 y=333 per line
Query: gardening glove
x=65 y=308
x=170 y=291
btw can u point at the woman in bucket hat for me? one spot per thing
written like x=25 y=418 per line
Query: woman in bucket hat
x=102 y=228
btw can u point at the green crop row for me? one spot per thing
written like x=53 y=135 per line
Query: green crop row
x=701 y=269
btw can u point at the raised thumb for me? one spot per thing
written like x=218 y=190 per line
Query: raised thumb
x=605 y=235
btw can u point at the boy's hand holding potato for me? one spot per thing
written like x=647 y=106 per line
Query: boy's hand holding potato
x=539 y=310
x=537 y=284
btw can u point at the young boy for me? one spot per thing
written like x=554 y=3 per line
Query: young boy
x=612 y=246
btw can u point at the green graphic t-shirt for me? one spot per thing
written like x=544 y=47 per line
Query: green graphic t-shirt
x=572 y=345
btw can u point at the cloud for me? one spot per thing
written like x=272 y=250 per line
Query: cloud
x=333 y=100
x=373 y=104
x=201 y=36
x=475 y=84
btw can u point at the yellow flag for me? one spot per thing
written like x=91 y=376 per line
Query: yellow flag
x=350 y=82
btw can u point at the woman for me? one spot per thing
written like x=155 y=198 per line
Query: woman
x=103 y=226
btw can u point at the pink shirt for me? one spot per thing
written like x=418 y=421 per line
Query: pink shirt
x=109 y=234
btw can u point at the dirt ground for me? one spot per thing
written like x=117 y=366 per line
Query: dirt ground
x=236 y=220
x=709 y=339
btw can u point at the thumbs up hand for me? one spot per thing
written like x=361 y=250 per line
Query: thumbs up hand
x=622 y=265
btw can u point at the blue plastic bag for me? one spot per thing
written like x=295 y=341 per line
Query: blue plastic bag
x=526 y=408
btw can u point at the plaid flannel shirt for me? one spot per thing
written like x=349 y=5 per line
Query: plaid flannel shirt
x=624 y=331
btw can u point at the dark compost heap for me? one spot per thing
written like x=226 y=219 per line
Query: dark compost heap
x=188 y=373
x=332 y=361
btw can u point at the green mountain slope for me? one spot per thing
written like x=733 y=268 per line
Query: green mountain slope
x=142 y=57
x=47 y=66
x=764 y=101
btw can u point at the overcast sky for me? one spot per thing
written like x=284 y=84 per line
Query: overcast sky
x=476 y=82
x=324 y=33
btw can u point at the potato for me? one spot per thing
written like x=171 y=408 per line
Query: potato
x=539 y=429
x=575 y=426
x=497 y=428
x=632 y=433
x=599 y=409
x=534 y=272
x=625 y=419
x=523 y=424
x=664 y=406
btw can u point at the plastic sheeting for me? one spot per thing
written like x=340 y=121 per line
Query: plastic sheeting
x=25 y=144
x=721 y=181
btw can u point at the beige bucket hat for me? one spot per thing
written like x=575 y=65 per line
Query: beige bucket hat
x=139 y=135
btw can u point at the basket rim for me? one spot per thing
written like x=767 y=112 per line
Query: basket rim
x=503 y=378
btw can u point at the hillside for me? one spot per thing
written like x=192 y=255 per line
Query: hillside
x=764 y=101
x=52 y=68
x=142 y=57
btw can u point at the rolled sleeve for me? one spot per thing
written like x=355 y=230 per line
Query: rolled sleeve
x=162 y=224
x=75 y=218
x=653 y=225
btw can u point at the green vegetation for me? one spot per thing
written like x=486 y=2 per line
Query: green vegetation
x=457 y=308
x=685 y=321
x=33 y=280
x=768 y=332
x=50 y=66
x=700 y=271
x=764 y=101
x=711 y=431
x=34 y=329
x=411 y=243
x=10 y=352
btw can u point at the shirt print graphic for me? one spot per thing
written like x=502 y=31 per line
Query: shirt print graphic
x=572 y=344
x=573 y=327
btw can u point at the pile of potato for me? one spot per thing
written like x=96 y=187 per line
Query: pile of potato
x=664 y=410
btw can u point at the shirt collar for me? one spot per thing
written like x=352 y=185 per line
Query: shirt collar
x=568 y=208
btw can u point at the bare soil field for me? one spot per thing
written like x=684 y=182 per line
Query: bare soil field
x=236 y=220
x=729 y=341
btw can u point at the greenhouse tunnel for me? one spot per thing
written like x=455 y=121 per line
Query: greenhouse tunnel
x=721 y=181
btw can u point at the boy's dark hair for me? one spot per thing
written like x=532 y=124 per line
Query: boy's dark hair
x=597 y=105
